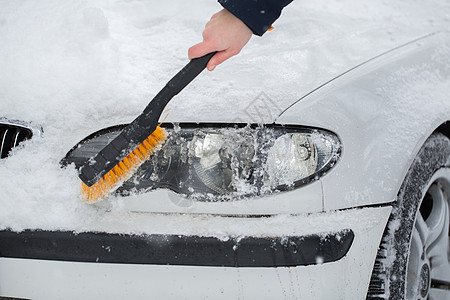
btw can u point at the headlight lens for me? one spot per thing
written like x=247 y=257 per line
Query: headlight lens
x=217 y=164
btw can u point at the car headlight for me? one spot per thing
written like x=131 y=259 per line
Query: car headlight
x=221 y=163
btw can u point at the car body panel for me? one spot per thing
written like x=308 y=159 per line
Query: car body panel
x=383 y=111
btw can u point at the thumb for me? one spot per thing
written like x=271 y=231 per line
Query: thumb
x=219 y=58
x=199 y=50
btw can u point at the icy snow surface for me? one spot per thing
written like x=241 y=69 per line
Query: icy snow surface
x=78 y=66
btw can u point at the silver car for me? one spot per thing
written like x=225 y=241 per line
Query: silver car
x=314 y=165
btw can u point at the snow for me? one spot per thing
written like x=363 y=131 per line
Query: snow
x=78 y=66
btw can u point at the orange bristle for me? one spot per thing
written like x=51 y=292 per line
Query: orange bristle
x=124 y=169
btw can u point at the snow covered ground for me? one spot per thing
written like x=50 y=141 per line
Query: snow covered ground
x=78 y=66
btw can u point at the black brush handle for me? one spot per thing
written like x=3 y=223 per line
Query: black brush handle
x=141 y=128
x=155 y=108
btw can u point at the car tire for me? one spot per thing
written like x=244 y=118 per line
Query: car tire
x=413 y=257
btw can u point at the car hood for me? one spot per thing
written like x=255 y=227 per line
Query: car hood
x=86 y=66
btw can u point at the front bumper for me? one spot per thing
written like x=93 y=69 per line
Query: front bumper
x=295 y=257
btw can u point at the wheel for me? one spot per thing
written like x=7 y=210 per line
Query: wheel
x=428 y=269
x=413 y=258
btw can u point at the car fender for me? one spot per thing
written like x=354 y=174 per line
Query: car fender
x=383 y=111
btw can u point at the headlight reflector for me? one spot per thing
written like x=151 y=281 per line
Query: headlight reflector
x=291 y=158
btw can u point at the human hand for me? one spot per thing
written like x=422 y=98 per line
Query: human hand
x=224 y=33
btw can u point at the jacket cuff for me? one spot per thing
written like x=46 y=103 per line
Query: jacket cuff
x=257 y=15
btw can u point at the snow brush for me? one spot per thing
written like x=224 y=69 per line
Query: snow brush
x=117 y=161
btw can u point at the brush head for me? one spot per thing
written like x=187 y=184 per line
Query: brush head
x=122 y=171
x=104 y=172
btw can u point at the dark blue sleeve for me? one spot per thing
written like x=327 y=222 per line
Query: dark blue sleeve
x=258 y=15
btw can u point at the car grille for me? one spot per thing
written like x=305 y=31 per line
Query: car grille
x=11 y=136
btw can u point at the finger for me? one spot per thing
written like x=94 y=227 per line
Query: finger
x=215 y=15
x=219 y=58
x=200 y=49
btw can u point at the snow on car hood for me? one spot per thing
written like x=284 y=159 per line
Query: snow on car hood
x=78 y=66
x=95 y=63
